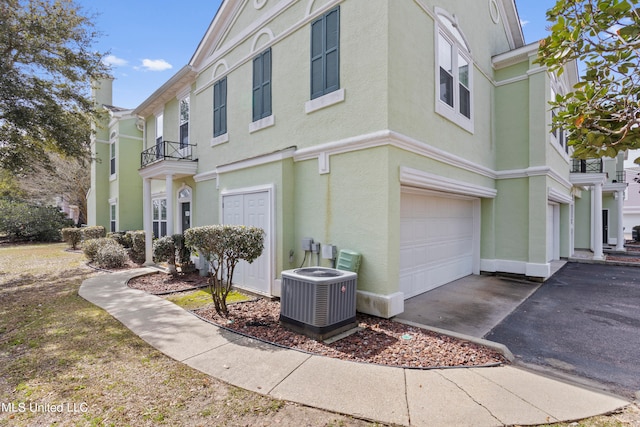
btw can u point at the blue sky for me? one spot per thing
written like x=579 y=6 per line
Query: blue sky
x=149 y=41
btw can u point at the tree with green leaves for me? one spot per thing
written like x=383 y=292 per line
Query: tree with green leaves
x=47 y=62
x=601 y=113
x=223 y=246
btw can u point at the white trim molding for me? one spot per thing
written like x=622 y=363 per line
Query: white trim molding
x=558 y=196
x=256 y=161
x=417 y=178
x=262 y=123
x=524 y=268
x=324 y=101
x=205 y=176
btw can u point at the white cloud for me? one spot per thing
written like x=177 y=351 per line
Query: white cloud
x=154 y=65
x=523 y=23
x=114 y=61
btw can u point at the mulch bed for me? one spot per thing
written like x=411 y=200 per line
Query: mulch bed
x=162 y=283
x=380 y=341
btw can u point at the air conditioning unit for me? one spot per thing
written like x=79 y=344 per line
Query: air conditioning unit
x=318 y=302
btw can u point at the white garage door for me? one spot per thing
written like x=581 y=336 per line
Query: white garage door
x=251 y=209
x=436 y=241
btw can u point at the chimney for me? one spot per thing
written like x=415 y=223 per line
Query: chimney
x=102 y=91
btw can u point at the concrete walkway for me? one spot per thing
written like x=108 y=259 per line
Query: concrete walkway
x=466 y=396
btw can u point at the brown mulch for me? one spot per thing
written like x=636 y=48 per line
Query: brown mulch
x=380 y=341
x=161 y=283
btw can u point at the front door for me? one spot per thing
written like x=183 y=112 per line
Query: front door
x=605 y=226
x=185 y=214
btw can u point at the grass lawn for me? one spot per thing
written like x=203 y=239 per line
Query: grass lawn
x=59 y=352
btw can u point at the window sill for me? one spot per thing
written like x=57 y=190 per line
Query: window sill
x=453 y=116
x=113 y=177
x=262 y=124
x=324 y=101
x=221 y=139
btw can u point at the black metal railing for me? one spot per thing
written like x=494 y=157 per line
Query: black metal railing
x=586 y=166
x=621 y=177
x=164 y=150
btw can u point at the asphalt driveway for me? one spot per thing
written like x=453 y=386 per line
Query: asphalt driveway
x=584 y=321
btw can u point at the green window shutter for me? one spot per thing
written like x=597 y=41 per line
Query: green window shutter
x=262 y=86
x=325 y=54
x=220 y=107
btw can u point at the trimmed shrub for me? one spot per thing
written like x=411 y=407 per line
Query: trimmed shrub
x=72 y=236
x=164 y=250
x=93 y=232
x=183 y=252
x=224 y=246
x=90 y=247
x=22 y=221
x=111 y=255
x=138 y=248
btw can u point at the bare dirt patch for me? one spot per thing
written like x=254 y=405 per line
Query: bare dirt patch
x=160 y=283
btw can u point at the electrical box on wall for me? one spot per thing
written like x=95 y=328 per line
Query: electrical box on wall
x=315 y=248
x=329 y=251
x=307 y=242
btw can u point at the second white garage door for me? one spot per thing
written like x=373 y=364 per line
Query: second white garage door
x=437 y=243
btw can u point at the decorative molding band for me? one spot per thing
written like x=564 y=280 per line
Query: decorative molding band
x=587 y=179
x=421 y=179
x=557 y=196
x=206 y=176
x=264 y=159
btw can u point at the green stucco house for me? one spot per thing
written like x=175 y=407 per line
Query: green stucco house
x=415 y=132
x=114 y=200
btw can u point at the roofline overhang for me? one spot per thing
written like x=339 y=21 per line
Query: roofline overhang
x=186 y=75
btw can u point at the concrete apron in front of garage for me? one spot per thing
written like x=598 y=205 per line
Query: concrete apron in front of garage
x=471 y=306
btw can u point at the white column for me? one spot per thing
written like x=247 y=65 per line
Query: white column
x=620 y=206
x=597 y=221
x=170 y=203
x=147 y=221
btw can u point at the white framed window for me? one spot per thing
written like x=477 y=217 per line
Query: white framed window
x=159 y=136
x=454 y=72
x=112 y=158
x=559 y=135
x=112 y=217
x=183 y=122
x=159 y=215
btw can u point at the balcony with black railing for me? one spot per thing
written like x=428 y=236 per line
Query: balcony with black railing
x=167 y=150
x=586 y=166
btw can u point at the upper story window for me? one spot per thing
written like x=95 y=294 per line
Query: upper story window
x=112 y=157
x=220 y=107
x=325 y=54
x=184 y=122
x=262 y=85
x=454 y=73
x=559 y=134
x=159 y=130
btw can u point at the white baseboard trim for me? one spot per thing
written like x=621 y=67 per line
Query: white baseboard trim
x=528 y=269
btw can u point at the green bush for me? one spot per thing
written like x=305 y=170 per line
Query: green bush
x=111 y=255
x=23 y=221
x=224 y=246
x=138 y=247
x=90 y=247
x=72 y=236
x=93 y=232
x=164 y=250
x=183 y=252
